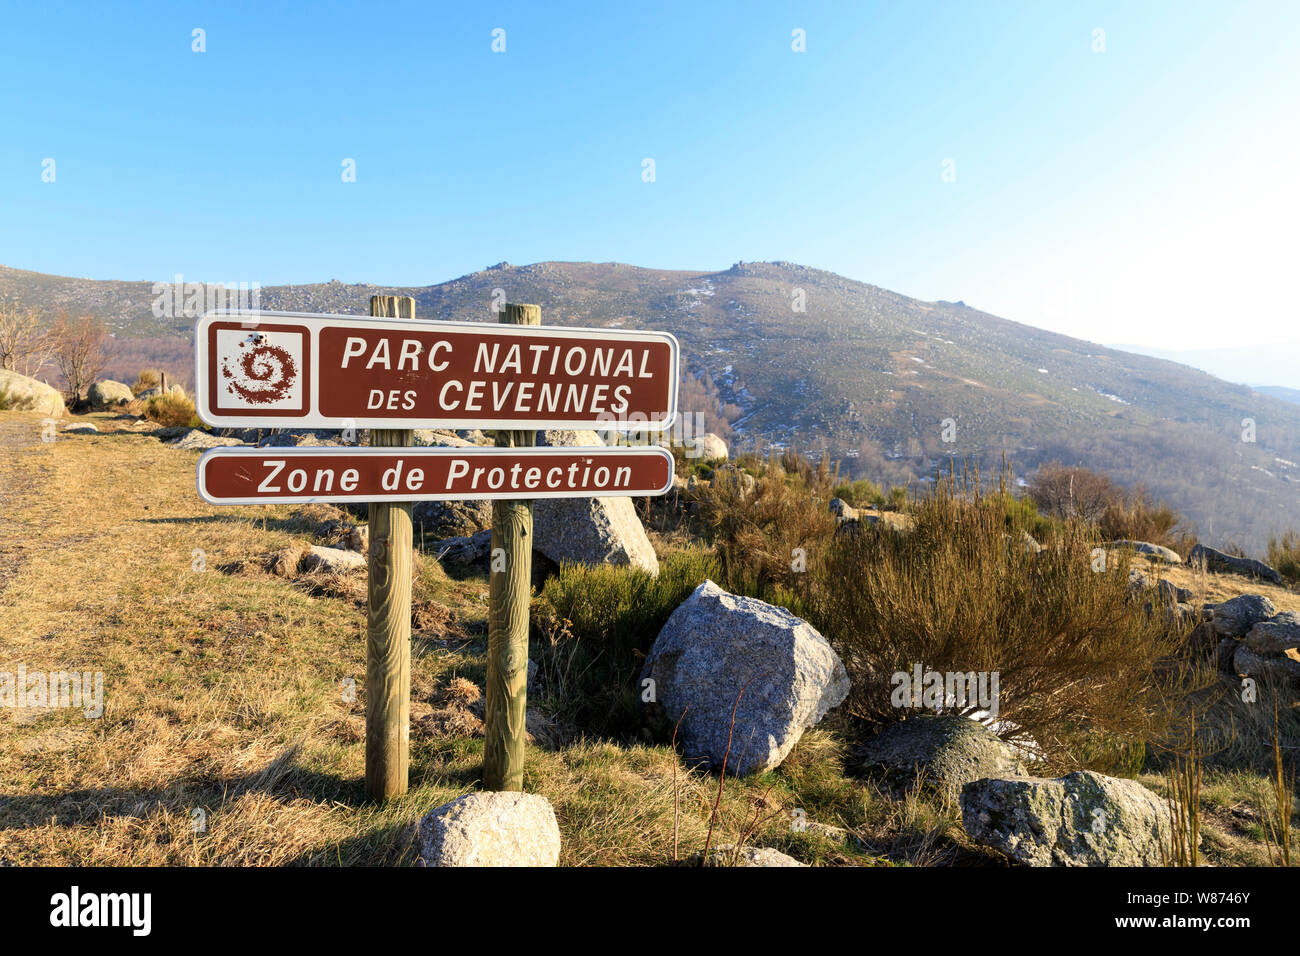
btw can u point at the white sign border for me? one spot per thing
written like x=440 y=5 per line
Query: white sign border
x=313 y=420
x=424 y=451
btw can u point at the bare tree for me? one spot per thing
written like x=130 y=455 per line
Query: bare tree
x=1064 y=492
x=26 y=345
x=81 y=351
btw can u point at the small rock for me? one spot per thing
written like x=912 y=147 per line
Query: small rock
x=436 y=520
x=357 y=538
x=726 y=855
x=81 y=428
x=1156 y=551
x=1249 y=664
x=332 y=560
x=734 y=477
x=491 y=829
x=464 y=555
x=195 y=439
x=1173 y=594
x=439 y=437
x=708 y=447
x=303 y=438
x=107 y=394
x=843 y=510
x=284 y=563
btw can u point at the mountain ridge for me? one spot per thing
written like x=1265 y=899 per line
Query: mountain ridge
x=791 y=355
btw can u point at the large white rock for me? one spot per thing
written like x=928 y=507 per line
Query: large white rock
x=717 y=644
x=589 y=530
x=491 y=829
x=708 y=446
x=27 y=393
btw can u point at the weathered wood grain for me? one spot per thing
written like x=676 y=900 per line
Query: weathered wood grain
x=510 y=590
x=388 y=616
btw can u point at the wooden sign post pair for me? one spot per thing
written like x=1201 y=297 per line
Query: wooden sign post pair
x=388 y=615
x=392 y=374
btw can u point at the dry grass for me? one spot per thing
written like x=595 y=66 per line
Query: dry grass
x=172 y=408
x=225 y=689
x=1284 y=555
x=1217 y=588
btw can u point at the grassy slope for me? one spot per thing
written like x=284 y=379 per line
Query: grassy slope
x=223 y=692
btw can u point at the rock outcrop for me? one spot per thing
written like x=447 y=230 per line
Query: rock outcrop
x=1236 y=617
x=943 y=752
x=589 y=530
x=108 y=394
x=1082 y=819
x=1218 y=561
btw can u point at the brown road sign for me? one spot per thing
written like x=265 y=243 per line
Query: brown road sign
x=296 y=370
x=247 y=476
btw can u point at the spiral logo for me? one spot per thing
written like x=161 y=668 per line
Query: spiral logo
x=260 y=373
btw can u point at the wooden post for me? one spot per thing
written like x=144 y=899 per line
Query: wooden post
x=388 y=616
x=509 y=590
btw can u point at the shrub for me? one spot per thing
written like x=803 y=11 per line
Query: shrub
x=1284 y=555
x=594 y=626
x=1083 y=670
x=80 y=351
x=172 y=408
x=147 y=379
x=1137 y=518
x=897 y=499
x=762 y=537
x=1021 y=514
x=1070 y=493
x=860 y=493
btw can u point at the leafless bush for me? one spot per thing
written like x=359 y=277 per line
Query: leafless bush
x=26 y=345
x=81 y=351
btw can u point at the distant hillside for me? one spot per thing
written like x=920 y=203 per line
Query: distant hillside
x=864 y=373
x=1291 y=395
x=1277 y=364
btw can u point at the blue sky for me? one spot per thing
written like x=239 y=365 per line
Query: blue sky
x=1144 y=194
